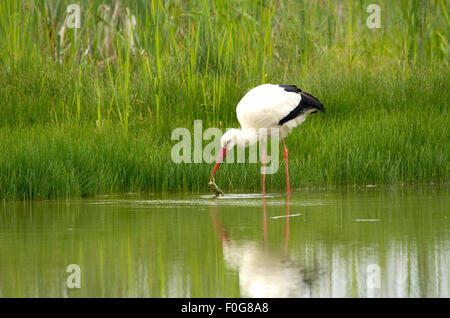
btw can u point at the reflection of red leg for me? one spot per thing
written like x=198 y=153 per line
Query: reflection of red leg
x=285 y=155
x=220 y=228
x=286 y=226
x=263 y=158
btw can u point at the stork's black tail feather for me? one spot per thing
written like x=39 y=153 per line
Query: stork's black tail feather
x=309 y=102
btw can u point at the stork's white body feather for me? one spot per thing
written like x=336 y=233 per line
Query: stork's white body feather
x=265 y=105
x=269 y=106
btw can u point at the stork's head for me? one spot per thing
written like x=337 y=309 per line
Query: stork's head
x=230 y=139
x=234 y=137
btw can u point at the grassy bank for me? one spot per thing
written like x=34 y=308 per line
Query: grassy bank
x=91 y=110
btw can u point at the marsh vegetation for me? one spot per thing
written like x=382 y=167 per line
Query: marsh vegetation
x=90 y=110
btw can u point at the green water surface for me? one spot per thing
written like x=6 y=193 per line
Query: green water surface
x=365 y=242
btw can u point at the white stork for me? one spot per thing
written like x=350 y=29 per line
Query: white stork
x=268 y=106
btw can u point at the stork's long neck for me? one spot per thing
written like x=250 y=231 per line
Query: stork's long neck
x=246 y=137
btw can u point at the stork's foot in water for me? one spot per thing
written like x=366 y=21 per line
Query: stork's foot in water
x=215 y=188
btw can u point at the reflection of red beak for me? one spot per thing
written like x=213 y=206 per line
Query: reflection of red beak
x=222 y=154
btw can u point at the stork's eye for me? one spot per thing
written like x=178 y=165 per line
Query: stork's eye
x=227 y=143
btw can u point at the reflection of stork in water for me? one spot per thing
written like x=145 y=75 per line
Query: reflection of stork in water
x=265 y=272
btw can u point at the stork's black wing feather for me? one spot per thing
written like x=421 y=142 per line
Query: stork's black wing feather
x=307 y=102
x=290 y=88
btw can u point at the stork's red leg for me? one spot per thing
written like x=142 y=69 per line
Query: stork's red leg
x=285 y=155
x=264 y=222
x=263 y=158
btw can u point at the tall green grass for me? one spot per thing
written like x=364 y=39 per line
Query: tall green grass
x=92 y=111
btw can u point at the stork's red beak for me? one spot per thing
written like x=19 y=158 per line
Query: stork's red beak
x=220 y=158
